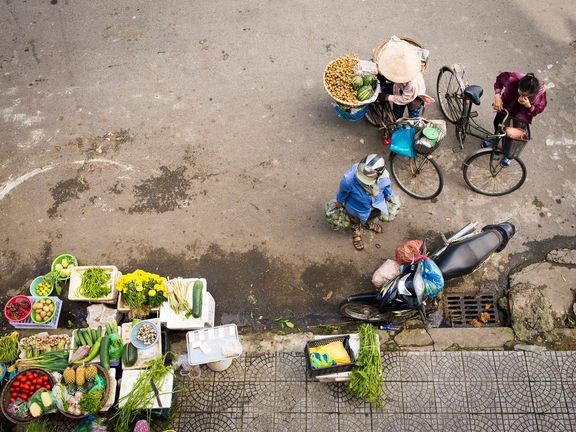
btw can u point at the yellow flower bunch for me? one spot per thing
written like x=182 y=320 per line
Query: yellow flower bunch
x=142 y=289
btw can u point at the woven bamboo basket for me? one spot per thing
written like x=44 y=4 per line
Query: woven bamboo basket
x=5 y=398
x=340 y=101
x=102 y=372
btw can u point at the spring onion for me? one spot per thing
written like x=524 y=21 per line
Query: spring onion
x=50 y=360
x=141 y=397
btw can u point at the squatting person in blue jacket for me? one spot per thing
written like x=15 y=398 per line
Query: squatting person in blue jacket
x=365 y=194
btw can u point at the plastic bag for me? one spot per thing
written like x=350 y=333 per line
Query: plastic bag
x=91 y=424
x=337 y=218
x=115 y=349
x=403 y=141
x=393 y=204
x=44 y=399
x=385 y=273
x=335 y=351
x=433 y=278
x=408 y=252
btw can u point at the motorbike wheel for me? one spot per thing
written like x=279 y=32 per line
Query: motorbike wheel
x=364 y=312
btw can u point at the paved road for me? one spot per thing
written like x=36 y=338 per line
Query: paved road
x=233 y=146
x=439 y=391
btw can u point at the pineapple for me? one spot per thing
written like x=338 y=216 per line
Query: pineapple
x=80 y=375
x=90 y=373
x=69 y=376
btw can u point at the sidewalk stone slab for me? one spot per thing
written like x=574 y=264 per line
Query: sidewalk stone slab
x=451 y=397
x=511 y=366
x=520 y=423
x=479 y=366
x=447 y=367
x=487 y=338
x=416 y=367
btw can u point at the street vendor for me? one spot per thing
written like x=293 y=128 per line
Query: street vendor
x=400 y=67
x=365 y=194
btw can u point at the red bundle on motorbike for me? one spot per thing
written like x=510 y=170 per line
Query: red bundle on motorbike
x=409 y=252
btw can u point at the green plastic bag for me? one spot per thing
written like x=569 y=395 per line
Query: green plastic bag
x=115 y=349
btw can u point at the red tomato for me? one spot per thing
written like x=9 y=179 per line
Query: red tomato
x=48 y=387
x=12 y=400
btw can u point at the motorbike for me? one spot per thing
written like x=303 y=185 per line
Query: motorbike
x=403 y=296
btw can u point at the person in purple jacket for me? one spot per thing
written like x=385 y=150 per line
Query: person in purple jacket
x=522 y=95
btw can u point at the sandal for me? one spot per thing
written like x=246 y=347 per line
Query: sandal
x=357 y=241
x=373 y=226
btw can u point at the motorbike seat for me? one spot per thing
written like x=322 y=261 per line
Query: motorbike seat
x=474 y=93
x=461 y=258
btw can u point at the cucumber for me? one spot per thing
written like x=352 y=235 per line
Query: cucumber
x=80 y=337
x=108 y=329
x=104 y=358
x=197 y=298
x=95 y=335
x=87 y=336
x=114 y=326
x=76 y=341
x=129 y=355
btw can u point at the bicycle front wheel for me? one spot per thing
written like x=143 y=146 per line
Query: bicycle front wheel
x=450 y=90
x=484 y=174
x=419 y=177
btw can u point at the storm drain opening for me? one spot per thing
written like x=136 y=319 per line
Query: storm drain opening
x=473 y=310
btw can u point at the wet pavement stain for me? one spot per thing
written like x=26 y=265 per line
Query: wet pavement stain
x=250 y=284
x=65 y=191
x=166 y=192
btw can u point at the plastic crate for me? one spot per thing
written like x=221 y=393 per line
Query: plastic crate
x=331 y=369
x=29 y=324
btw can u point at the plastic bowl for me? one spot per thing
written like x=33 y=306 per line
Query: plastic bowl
x=12 y=301
x=35 y=284
x=134 y=332
x=45 y=321
x=59 y=259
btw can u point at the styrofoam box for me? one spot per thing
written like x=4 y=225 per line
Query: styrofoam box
x=76 y=281
x=97 y=358
x=143 y=355
x=129 y=378
x=213 y=339
x=180 y=322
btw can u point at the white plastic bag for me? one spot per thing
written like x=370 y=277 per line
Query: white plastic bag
x=385 y=273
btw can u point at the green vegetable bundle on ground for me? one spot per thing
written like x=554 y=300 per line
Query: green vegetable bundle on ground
x=9 y=348
x=366 y=377
x=95 y=283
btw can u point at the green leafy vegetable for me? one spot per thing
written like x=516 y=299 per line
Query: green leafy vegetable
x=141 y=396
x=9 y=348
x=366 y=376
x=95 y=283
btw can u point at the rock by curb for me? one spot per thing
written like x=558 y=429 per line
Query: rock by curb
x=487 y=338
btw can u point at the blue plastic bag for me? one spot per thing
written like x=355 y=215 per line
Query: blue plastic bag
x=433 y=278
x=403 y=141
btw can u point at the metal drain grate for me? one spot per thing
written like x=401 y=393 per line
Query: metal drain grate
x=473 y=311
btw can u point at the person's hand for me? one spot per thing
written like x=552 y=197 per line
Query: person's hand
x=339 y=204
x=523 y=100
x=497 y=104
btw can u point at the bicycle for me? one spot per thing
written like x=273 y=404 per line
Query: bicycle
x=484 y=170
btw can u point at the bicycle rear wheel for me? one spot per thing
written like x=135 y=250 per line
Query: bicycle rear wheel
x=484 y=174
x=450 y=88
x=419 y=177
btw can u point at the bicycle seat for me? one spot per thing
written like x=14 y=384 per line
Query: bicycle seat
x=474 y=93
x=463 y=257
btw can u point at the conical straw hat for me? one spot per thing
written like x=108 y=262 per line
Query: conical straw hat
x=398 y=61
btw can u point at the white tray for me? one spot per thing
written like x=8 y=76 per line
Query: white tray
x=214 y=338
x=97 y=358
x=180 y=322
x=129 y=378
x=76 y=281
x=151 y=353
